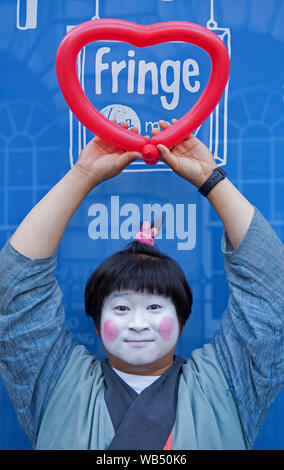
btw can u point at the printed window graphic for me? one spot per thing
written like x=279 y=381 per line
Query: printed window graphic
x=27 y=14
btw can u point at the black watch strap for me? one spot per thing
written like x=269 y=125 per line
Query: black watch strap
x=217 y=175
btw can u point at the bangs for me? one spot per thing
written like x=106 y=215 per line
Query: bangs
x=142 y=273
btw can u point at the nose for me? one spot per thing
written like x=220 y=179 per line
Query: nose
x=138 y=321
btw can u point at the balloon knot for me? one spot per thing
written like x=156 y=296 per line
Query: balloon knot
x=150 y=154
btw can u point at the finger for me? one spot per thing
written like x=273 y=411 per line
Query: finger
x=191 y=136
x=113 y=120
x=174 y=120
x=164 y=124
x=134 y=129
x=124 y=124
x=129 y=157
x=167 y=157
x=155 y=131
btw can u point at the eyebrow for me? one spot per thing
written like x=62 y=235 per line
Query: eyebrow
x=119 y=294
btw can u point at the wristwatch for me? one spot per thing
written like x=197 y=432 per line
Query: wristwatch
x=217 y=175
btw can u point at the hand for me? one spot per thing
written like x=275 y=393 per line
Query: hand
x=190 y=159
x=102 y=161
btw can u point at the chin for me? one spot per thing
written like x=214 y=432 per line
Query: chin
x=140 y=361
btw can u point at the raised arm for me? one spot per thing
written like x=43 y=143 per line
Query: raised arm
x=193 y=161
x=41 y=231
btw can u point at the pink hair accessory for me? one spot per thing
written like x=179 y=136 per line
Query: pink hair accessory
x=145 y=236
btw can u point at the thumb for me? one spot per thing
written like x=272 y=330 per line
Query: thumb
x=167 y=156
x=129 y=157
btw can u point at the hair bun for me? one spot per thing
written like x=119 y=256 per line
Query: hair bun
x=147 y=234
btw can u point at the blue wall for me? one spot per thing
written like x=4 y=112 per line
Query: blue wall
x=40 y=139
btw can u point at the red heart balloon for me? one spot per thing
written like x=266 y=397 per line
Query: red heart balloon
x=140 y=36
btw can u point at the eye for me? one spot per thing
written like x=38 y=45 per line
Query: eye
x=152 y=307
x=120 y=307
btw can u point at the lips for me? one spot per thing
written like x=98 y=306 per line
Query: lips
x=138 y=344
x=139 y=340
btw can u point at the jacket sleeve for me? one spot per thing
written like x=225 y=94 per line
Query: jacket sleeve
x=250 y=341
x=35 y=344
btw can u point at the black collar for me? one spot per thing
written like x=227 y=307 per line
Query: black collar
x=142 y=422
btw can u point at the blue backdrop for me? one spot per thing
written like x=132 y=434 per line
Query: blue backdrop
x=40 y=139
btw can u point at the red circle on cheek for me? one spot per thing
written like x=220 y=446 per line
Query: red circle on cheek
x=166 y=328
x=110 y=331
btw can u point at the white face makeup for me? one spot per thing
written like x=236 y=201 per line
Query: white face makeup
x=137 y=327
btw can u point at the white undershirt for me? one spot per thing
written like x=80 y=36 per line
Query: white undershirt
x=137 y=382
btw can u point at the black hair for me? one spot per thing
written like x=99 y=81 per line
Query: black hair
x=141 y=268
